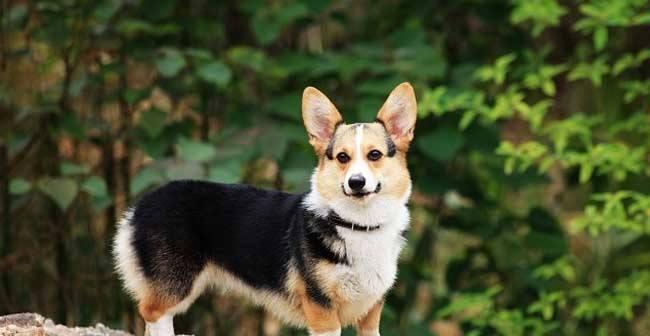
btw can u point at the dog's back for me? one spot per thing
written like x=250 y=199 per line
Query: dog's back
x=183 y=225
x=184 y=228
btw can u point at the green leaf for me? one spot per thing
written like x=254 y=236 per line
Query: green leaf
x=586 y=170
x=420 y=61
x=266 y=30
x=467 y=118
x=156 y=148
x=199 y=55
x=144 y=179
x=62 y=190
x=441 y=144
x=171 y=62
x=594 y=71
x=625 y=62
x=249 y=57
x=71 y=168
x=378 y=86
x=95 y=186
x=287 y=106
x=77 y=85
x=542 y=13
x=269 y=22
x=19 y=186
x=498 y=71
x=133 y=96
x=214 y=72
x=70 y=124
x=296 y=179
x=226 y=172
x=134 y=27
x=600 y=38
x=367 y=109
x=185 y=171
x=152 y=122
x=106 y=9
x=16 y=15
x=190 y=150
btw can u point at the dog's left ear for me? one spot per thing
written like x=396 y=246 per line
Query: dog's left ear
x=398 y=114
x=320 y=117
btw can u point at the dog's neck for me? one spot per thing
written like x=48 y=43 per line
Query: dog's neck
x=334 y=219
x=383 y=211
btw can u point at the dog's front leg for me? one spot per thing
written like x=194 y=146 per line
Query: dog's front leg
x=369 y=324
x=321 y=321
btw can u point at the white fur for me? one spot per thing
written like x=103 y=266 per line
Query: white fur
x=371 y=273
x=377 y=209
x=211 y=276
x=373 y=255
x=163 y=327
x=327 y=333
x=359 y=165
x=126 y=260
x=217 y=277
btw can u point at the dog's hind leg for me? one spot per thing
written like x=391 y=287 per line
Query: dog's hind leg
x=159 y=309
x=321 y=321
x=163 y=327
x=163 y=276
x=157 y=313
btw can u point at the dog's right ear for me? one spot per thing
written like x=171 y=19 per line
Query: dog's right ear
x=320 y=117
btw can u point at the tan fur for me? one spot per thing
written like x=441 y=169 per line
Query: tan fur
x=370 y=322
x=319 y=319
x=392 y=171
x=329 y=279
x=325 y=273
x=152 y=307
x=340 y=283
x=331 y=172
x=320 y=117
x=399 y=113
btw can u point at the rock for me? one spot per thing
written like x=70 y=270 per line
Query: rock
x=29 y=324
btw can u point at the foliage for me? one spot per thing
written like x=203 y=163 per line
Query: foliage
x=531 y=208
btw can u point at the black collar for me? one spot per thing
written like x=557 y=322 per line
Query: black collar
x=338 y=221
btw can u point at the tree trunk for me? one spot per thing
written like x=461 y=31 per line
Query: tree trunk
x=5 y=210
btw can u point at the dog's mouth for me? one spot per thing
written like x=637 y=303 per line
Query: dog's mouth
x=361 y=194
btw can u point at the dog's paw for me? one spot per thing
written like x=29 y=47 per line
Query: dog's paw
x=326 y=333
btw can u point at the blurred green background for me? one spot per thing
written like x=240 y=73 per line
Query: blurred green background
x=531 y=208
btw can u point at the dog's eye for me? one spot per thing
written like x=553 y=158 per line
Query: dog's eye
x=342 y=157
x=374 y=155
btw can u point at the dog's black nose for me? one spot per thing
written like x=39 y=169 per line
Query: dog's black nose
x=356 y=182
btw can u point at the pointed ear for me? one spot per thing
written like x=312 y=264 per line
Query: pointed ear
x=398 y=114
x=320 y=117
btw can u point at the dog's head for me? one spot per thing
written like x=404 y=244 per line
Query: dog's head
x=361 y=162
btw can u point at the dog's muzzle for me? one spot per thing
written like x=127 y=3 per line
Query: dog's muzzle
x=360 y=193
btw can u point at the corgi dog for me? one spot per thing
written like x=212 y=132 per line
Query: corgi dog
x=321 y=260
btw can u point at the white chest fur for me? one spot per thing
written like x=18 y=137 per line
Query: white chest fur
x=372 y=256
x=371 y=272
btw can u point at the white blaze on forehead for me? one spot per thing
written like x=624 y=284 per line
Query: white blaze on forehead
x=358 y=137
x=359 y=164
